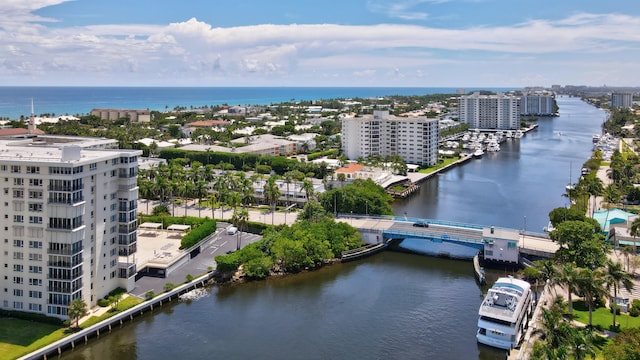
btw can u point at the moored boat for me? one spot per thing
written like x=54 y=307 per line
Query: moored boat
x=504 y=314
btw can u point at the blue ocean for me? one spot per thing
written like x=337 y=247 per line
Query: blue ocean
x=16 y=101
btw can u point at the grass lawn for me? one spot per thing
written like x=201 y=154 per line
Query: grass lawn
x=439 y=165
x=124 y=304
x=20 y=337
x=602 y=317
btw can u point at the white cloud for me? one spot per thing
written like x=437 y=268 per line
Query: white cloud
x=192 y=50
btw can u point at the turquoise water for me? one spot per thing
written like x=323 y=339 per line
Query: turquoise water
x=16 y=101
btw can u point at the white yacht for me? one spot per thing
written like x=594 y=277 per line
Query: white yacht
x=493 y=146
x=478 y=153
x=504 y=313
x=518 y=134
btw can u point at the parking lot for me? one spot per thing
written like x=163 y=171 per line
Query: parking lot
x=222 y=244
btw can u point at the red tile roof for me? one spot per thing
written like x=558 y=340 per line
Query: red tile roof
x=351 y=168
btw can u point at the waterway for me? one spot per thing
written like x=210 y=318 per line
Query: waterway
x=392 y=305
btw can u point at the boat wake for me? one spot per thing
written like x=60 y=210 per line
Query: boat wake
x=193 y=295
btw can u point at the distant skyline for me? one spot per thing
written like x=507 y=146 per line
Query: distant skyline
x=378 y=43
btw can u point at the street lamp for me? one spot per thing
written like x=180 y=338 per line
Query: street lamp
x=366 y=207
x=524 y=229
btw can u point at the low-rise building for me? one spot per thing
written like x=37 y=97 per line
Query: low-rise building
x=115 y=114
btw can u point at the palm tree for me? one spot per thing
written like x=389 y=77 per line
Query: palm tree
x=594 y=188
x=634 y=230
x=200 y=190
x=271 y=194
x=307 y=187
x=287 y=179
x=615 y=276
x=212 y=198
x=627 y=252
x=590 y=284
x=568 y=277
x=239 y=219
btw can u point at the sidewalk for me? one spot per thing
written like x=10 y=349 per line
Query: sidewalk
x=255 y=215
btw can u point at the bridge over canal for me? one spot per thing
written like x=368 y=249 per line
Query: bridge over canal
x=448 y=238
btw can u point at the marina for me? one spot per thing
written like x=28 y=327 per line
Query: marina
x=327 y=313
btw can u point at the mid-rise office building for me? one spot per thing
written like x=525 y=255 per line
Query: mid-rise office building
x=69 y=223
x=621 y=100
x=414 y=139
x=489 y=111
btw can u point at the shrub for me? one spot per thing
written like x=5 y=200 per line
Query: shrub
x=103 y=302
x=168 y=286
x=635 y=308
x=149 y=295
x=31 y=317
x=229 y=262
x=196 y=234
x=617 y=307
x=188 y=278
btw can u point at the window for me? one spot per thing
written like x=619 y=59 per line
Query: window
x=17 y=305
x=17 y=267
x=35 y=194
x=17 y=292
x=17 y=280
x=33 y=169
x=35 y=294
x=36 y=207
x=18 y=243
x=18 y=218
x=18 y=194
x=35 y=182
x=35 y=219
x=15 y=169
x=35 y=307
x=35 y=257
x=93 y=166
x=18 y=182
x=35 y=244
x=35 y=282
x=35 y=269
x=17 y=255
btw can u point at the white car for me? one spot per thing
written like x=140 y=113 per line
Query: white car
x=232 y=230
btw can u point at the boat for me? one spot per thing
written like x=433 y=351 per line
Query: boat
x=504 y=314
x=493 y=146
x=518 y=134
x=549 y=227
x=508 y=134
x=478 y=153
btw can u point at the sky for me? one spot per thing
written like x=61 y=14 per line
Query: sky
x=381 y=43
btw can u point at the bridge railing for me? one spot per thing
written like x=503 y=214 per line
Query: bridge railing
x=433 y=235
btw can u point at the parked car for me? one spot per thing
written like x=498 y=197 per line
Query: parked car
x=232 y=230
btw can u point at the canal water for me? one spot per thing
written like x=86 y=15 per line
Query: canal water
x=392 y=305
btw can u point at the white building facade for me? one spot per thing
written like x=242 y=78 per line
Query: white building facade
x=621 y=100
x=69 y=220
x=489 y=111
x=539 y=105
x=414 y=139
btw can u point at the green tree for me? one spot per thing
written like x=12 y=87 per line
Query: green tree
x=624 y=346
x=568 y=277
x=312 y=211
x=614 y=277
x=580 y=244
x=77 y=309
x=239 y=219
x=590 y=284
x=271 y=194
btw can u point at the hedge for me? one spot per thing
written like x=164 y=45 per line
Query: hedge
x=196 y=234
x=32 y=317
